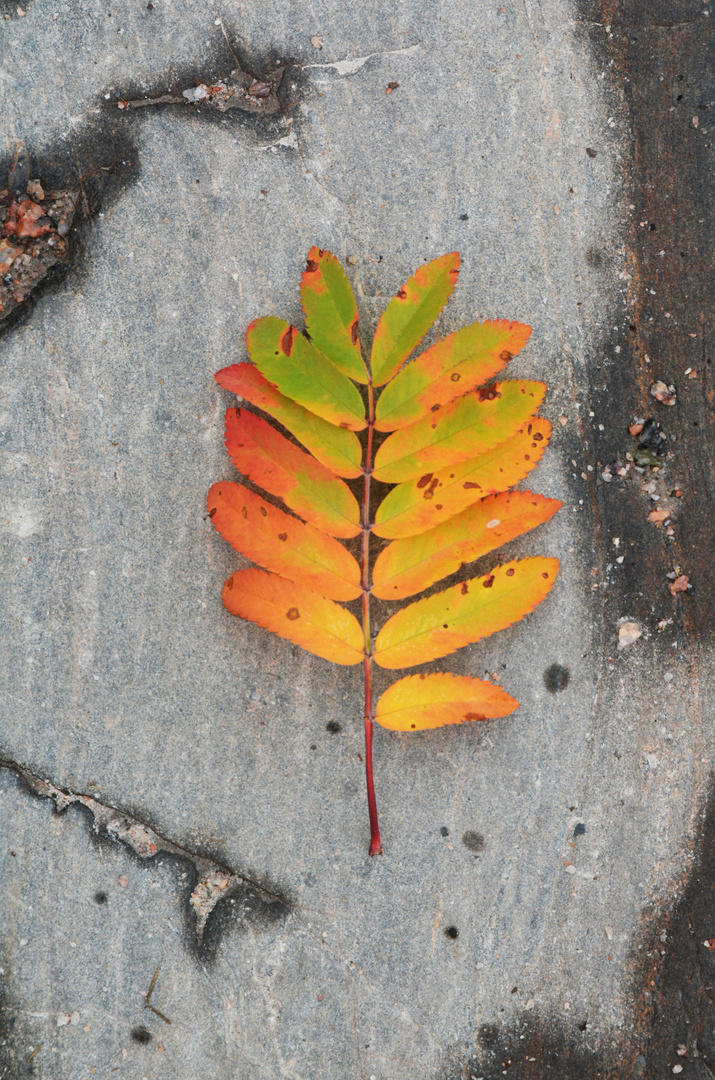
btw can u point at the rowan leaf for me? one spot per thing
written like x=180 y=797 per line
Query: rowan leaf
x=410 y=314
x=331 y=315
x=279 y=542
x=409 y=566
x=335 y=447
x=303 y=373
x=321 y=626
x=448 y=369
x=275 y=464
x=469 y=426
x=418 y=702
x=418 y=505
x=463 y=614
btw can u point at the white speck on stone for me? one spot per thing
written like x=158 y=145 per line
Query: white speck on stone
x=628 y=632
x=609 y=932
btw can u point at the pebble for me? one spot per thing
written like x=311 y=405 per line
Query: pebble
x=628 y=633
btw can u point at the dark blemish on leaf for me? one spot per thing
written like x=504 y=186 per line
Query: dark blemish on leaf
x=435 y=408
x=556 y=678
x=488 y=582
x=474 y=841
x=469 y=484
x=264 y=512
x=244 y=511
x=287 y=340
x=528 y=430
x=354 y=330
x=141 y=1035
x=282 y=536
x=321 y=252
x=292 y=614
x=474 y=716
x=438 y=506
x=333 y=727
x=465 y=587
x=506 y=355
x=311 y=266
x=452 y=932
x=455 y=376
x=401 y=293
x=100 y=897
x=212 y=511
x=444 y=831
x=545 y=576
x=527 y=457
x=579 y=829
x=229 y=583
x=413 y=725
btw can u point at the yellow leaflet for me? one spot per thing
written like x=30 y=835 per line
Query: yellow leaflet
x=406 y=567
x=440 y=624
x=418 y=702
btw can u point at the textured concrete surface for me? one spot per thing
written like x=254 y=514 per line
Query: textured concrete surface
x=124 y=679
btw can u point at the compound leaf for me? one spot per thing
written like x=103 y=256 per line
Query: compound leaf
x=406 y=567
x=275 y=464
x=331 y=316
x=279 y=542
x=302 y=373
x=321 y=626
x=418 y=702
x=410 y=313
x=418 y=505
x=469 y=426
x=448 y=369
x=440 y=624
x=335 y=447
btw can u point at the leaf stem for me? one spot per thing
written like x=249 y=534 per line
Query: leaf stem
x=375 y=842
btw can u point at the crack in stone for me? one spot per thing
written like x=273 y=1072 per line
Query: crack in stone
x=215 y=881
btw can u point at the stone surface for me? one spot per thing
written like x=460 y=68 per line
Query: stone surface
x=124 y=679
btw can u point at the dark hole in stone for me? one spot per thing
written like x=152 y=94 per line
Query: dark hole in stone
x=474 y=841
x=579 y=829
x=556 y=678
x=594 y=258
x=591 y=152
x=652 y=437
x=333 y=727
x=141 y=1035
x=464 y=217
x=444 y=831
x=100 y=897
x=313 y=746
x=452 y=932
x=582 y=1026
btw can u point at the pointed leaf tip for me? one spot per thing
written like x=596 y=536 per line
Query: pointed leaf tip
x=419 y=702
x=410 y=314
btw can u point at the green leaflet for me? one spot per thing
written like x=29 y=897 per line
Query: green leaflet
x=410 y=314
x=302 y=373
x=331 y=316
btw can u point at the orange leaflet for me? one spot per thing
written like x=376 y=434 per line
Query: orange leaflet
x=410 y=313
x=335 y=447
x=448 y=369
x=418 y=702
x=406 y=567
x=421 y=504
x=440 y=624
x=282 y=543
x=471 y=425
x=307 y=487
x=294 y=612
x=302 y=373
x=331 y=316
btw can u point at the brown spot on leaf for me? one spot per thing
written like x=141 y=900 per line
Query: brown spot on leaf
x=288 y=339
x=510 y=572
x=229 y=583
x=506 y=355
x=545 y=576
x=264 y=512
x=538 y=437
x=488 y=581
x=402 y=294
x=455 y=376
x=292 y=614
x=474 y=716
x=424 y=480
x=282 y=536
x=311 y=266
x=469 y=484
x=354 y=330
x=212 y=511
x=465 y=588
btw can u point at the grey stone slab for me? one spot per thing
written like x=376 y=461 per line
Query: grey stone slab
x=124 y=678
